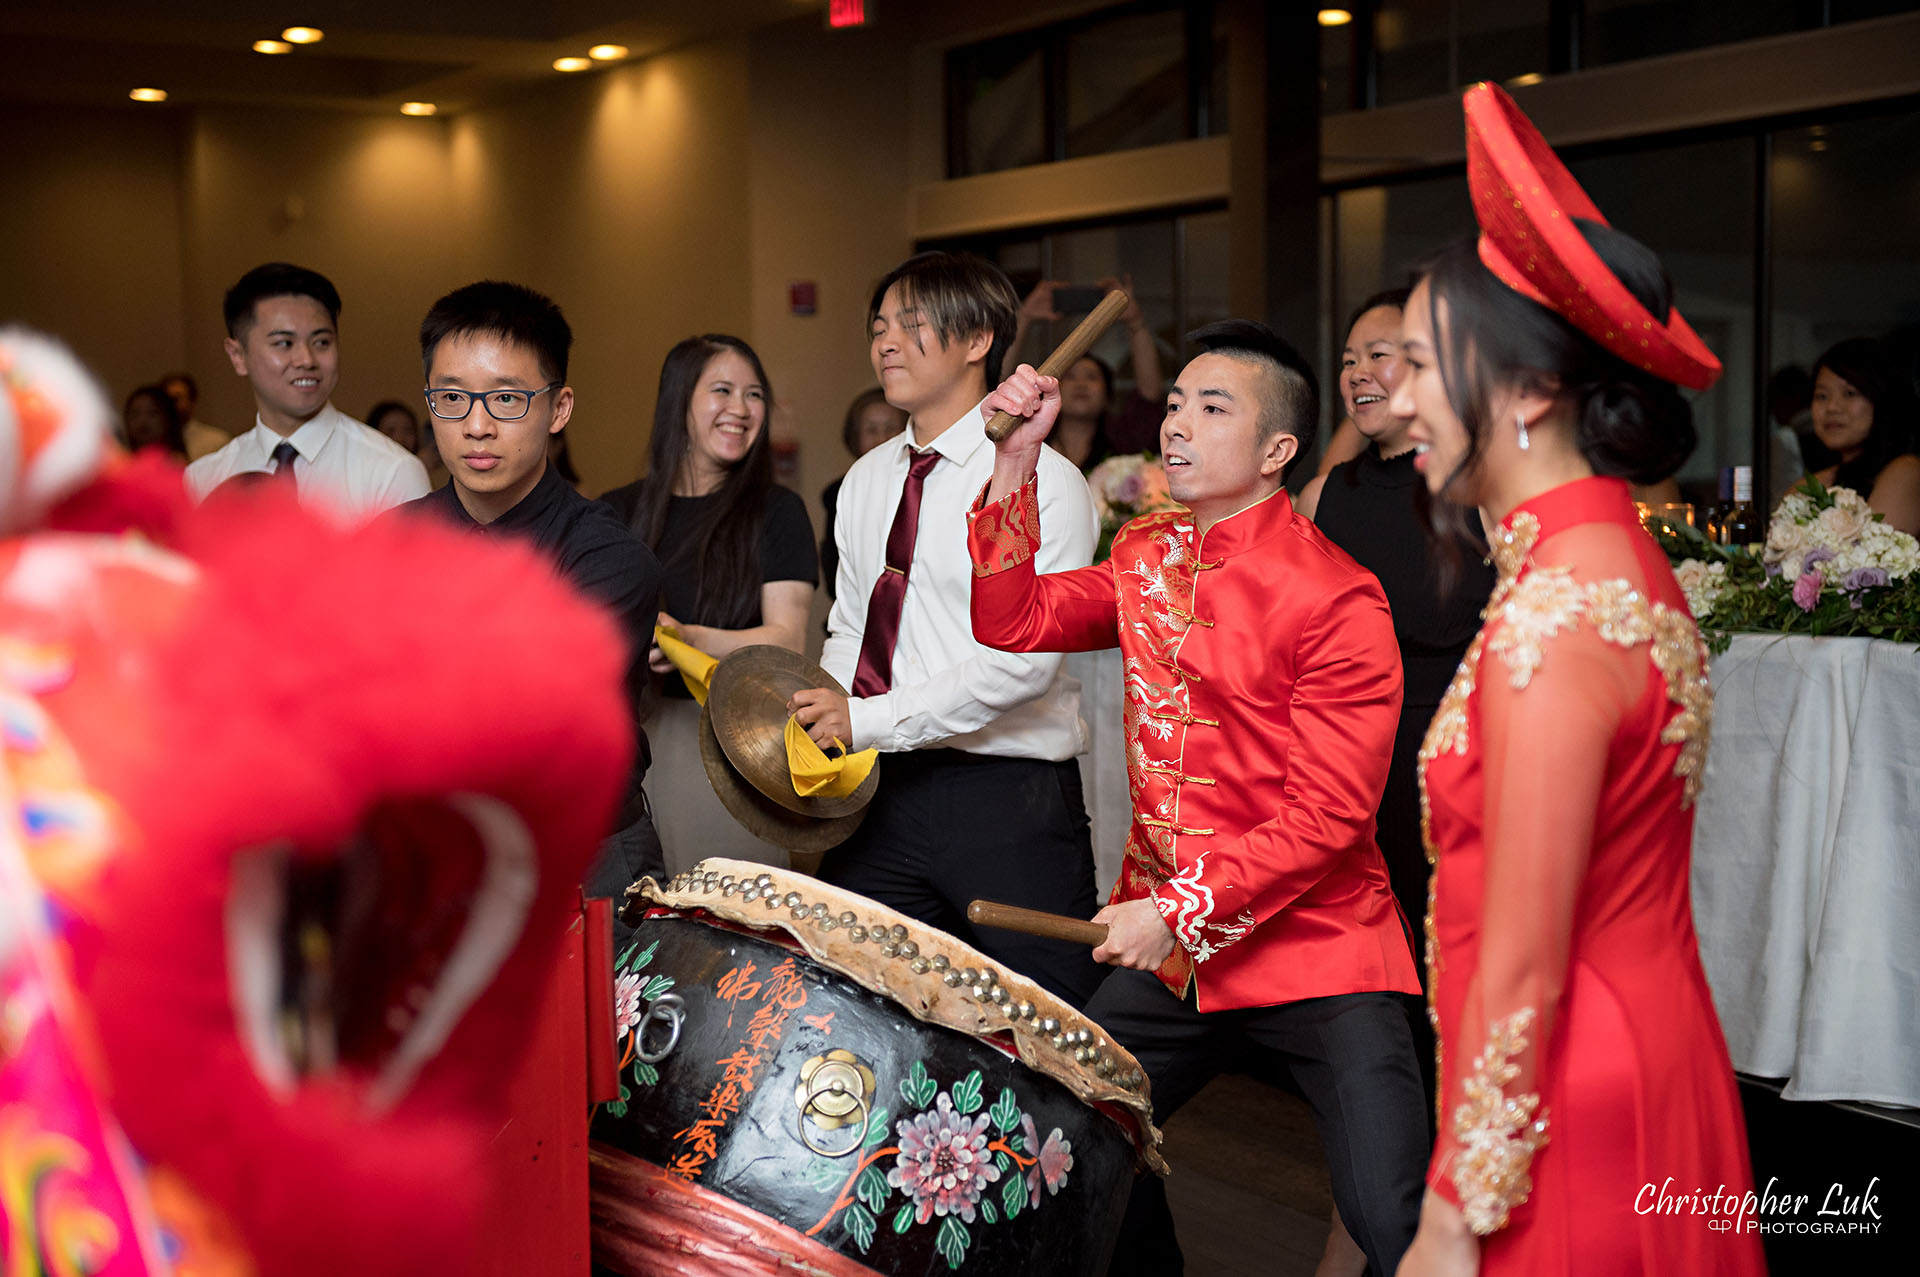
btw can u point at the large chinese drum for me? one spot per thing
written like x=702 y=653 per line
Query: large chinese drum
x=813 y=1082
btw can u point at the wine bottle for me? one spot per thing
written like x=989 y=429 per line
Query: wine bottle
x=1742 y=526
x=1717 y=516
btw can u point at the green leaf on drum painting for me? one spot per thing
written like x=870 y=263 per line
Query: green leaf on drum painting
x=619 y=1107
x=631 y=963
x=656 y=986
x=1013 y=1194
x=1005 y=1112
x=860 y=1226
x=872 y=1189
x=918 y=1088
x=966 y=1093
x=903 y=1219
x=952 y=1242
x=988 y=1213
x=824 y=1175
x=1002 y=1161
x=645 y=1074
x=877 y=1129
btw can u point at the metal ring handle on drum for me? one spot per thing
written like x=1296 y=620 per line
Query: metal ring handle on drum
x=670 y=1008
x=866 y=1115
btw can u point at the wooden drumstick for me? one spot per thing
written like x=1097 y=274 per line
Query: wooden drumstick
x=1078 y=342
x=1054 y=926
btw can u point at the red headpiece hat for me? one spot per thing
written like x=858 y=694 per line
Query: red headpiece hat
x=1525 y=201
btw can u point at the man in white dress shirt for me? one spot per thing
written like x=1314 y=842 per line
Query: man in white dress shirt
x=282 y=336
x=979 y=794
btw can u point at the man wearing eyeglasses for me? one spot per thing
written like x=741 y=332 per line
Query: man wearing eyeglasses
x=496 y=364
x=283 y=337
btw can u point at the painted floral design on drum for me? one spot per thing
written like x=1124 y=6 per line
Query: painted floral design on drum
x=631 y=990
x=957 y=1161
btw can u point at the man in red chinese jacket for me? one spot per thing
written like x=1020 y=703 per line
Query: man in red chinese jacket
x=1262 y=695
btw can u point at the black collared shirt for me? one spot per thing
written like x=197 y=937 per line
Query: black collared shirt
x=596 y=552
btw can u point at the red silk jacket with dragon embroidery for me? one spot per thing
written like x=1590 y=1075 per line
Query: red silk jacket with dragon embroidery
x=1262 y=695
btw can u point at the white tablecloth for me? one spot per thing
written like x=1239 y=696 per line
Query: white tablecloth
x=1806 y=864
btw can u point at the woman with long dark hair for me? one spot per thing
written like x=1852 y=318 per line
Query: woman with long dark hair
x=150 y=418
x=1582 y=1068
x=738 y=556
x=1863 y=412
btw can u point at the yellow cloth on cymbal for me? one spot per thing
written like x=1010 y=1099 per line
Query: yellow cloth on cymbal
x=695 y=666
x=817 y=776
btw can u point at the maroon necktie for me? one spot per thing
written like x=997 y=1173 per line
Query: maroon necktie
x=875 y=674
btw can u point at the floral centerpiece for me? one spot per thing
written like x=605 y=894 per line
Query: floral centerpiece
x=1124 y=488
x=1830 y=565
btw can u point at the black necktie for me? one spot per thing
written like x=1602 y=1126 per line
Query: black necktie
x=283 y=454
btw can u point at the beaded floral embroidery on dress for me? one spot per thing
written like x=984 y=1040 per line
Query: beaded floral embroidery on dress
x=1498 y=1133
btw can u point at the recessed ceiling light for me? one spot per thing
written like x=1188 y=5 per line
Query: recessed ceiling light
x=303 y=35
x=1335 y=17
x=148 y=95
x=417 y=108
x=272 y=46
x=572 y=64
x=607 y=52
x=1523 y=81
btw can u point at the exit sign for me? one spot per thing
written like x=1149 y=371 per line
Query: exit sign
x=848 y=13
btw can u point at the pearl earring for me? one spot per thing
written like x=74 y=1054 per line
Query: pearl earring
x=1525 y=441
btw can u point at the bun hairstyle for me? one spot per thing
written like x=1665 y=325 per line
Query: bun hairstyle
x=1628 y=423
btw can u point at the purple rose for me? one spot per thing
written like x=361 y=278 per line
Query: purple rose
x=1861 y=578
x=1806 y=591
x=1815 y=557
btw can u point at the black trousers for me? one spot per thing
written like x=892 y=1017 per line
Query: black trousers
x=949 y=827
x=1351 y=1057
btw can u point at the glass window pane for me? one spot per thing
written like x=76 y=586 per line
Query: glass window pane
x=1501 y=39
x=1693 y=205
x=1622 y=30
x=1413 y=46
x=1336 y=69
x=1142 y=249
x=1846 y=245
x=1001 y=94
x=1127 y=83
x=1385 y=232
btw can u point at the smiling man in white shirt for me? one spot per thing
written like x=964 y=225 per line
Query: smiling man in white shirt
x=283 y=337
x=979 y=794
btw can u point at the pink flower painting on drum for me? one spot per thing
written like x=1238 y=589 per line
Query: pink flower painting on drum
x=626 y=1004
x=1052 y=1160
x=944 y=1163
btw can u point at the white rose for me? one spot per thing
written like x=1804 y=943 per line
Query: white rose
x=1785 y=539
x=1843 y=525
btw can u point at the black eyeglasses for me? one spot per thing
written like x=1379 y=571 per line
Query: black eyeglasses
x=502 y=405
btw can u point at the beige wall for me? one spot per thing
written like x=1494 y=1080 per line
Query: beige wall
x=625 y=196
x=361 y=199
x=828 y=187
x=90 y=236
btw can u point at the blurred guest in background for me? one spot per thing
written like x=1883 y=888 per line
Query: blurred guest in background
x=201 y=438
x=1094 y=424
x=150 y=418
x=738 y=556
x=397 y=422
x=1863 y=412
x=871 y=421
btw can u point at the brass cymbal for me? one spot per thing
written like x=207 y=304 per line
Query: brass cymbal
x=804 y=837
x=747 y=699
